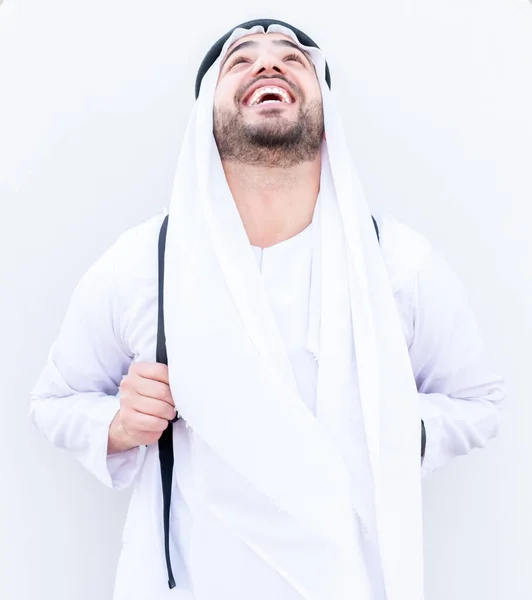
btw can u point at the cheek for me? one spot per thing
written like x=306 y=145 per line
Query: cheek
x=315 y=91
x=218 y=97
x=224 y=98
x=226 y=89
x=311 y=89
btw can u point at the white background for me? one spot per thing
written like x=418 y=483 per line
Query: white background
x=94 y=96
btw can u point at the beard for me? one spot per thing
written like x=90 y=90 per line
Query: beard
x=275 y=141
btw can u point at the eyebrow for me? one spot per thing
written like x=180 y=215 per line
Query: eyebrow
x=250 y=43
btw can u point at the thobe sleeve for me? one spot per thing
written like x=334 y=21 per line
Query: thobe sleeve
x=77 y=394
x=460 y=396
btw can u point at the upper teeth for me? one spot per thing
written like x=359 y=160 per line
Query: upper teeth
x=258 y=94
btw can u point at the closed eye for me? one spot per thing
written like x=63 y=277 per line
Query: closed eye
x=290 y=57
x=295 y=57
x=237 y=61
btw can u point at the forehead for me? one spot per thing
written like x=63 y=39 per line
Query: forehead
x=262 y=40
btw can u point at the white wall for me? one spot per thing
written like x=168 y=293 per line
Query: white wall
x=94 y=96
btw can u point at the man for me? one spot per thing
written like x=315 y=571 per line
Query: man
x=316 y=357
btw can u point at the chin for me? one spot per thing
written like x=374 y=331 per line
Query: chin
x=272 y=121
x=273 y=130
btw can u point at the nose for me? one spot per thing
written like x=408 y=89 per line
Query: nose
x=268 y=64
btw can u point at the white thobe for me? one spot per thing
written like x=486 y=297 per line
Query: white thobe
x=111 y=322
x=286 y=272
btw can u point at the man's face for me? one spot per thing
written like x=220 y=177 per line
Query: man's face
x=268 y=105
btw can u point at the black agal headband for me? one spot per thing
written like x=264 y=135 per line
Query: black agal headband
x=216 y=49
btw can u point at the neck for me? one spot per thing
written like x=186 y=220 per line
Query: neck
x=275 y=204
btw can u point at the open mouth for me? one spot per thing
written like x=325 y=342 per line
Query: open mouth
x=269 y=95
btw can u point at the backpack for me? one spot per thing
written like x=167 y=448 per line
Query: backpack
x=166 y=443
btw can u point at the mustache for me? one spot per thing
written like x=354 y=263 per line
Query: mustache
x=243 y=90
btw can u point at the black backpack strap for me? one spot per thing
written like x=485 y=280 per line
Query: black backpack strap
x=166 y=442
x=161 y=337
x=423 y=431
x=376 y=229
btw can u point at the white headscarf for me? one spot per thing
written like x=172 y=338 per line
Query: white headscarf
x=304 y=475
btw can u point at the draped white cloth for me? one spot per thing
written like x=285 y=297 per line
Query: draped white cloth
x=291 y=485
